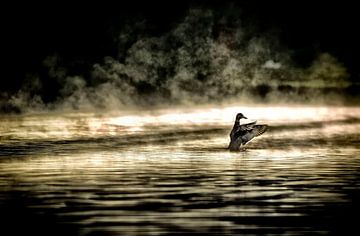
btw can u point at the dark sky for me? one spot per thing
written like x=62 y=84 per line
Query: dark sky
x=83 y=33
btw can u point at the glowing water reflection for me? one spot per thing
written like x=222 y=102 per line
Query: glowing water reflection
x=167 y=171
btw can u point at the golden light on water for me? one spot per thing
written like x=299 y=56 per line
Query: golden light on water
x=196 y=125
x=68 y=126
x=167 y=170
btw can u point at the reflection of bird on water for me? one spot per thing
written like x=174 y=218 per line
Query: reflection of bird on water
x=242 y=134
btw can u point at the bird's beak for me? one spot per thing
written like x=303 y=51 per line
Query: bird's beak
x=244 y=117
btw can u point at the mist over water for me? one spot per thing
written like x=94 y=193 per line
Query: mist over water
x=130 y=137
x=206 y=57
x=168 y=171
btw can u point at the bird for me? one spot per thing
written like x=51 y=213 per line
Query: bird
x=242 y=134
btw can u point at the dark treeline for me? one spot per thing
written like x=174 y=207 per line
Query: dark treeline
x=83 y=34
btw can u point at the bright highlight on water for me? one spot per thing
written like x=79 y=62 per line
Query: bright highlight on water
x=169 y=171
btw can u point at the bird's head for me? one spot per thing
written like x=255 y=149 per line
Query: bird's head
x=240 y=116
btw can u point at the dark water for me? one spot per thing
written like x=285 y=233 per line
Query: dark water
x=170 y=174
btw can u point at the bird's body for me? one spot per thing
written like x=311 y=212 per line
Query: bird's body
x=242 y=134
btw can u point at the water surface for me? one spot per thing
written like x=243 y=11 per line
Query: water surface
x=168 y=172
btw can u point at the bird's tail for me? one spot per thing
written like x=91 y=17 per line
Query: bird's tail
x=260 y=129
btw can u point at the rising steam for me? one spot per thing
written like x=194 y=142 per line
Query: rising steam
x=205 y=58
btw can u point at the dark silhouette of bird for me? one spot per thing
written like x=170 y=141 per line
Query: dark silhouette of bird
x=242 y=134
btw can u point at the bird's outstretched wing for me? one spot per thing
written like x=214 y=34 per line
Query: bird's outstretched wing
x=252 y=132
x=248 y=126
x=242 y=129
